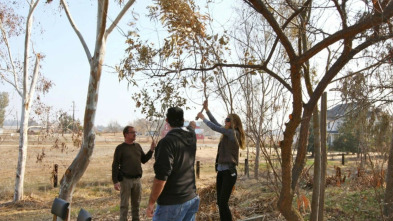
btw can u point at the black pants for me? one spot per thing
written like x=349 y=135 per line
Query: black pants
x=225 y=181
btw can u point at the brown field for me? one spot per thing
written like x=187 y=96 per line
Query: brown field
x=94 y=191
x=356 y=199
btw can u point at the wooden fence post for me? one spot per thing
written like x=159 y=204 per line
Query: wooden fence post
x=246 y=167
x=54 y=175
x=342 y=159
x=198 y=168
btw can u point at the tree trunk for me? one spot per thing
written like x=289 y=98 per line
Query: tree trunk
x=317 y=168
x=300 y=160
x=82 y=160
x=323 y=156
x=388 y=200
x=286 y=194
x=22 y=155
x=79 y=165
x=258 y=150
x=27 y=95
x=23 y=132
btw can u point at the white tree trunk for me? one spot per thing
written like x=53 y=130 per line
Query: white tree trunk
x=23 y=136
x=22 y=155
x=82 y=160
x=28 y=93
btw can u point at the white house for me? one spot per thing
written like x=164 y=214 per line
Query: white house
x=335 y=118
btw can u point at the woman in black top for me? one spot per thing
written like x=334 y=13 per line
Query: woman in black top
x=233 y=138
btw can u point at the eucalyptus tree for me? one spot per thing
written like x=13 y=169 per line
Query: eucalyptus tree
x=20 y=74
x=105 y=26
x=160 y=90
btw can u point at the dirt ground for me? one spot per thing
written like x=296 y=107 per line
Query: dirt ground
x=40 y=171
x=352 y=200
x=94 y=191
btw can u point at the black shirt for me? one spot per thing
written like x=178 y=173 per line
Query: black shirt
x=128 y=159
x=175 y=158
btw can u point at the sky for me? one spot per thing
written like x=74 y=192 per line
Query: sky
x=66 y=65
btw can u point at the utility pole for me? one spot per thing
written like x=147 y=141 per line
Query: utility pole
x=73 y=116
x=47 y=122
x=17 y=121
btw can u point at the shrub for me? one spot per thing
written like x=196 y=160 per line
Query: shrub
x=346 y=142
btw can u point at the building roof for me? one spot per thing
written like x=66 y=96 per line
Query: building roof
x=340 y=111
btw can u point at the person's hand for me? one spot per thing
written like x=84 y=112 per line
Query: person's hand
x=201 y=116
x=206 y=105
x=153 y=145
x=150 y=210
x=117 y=186
x=193 y=124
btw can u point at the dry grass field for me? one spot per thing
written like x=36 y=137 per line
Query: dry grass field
x=94 y=191
x=352 y=200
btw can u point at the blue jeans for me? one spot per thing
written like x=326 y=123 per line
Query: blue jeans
x=179 y=212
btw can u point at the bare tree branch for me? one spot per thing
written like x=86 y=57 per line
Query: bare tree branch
x=78 y=33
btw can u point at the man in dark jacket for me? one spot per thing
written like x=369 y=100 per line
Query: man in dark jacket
x=174 y=183
x=127 y=172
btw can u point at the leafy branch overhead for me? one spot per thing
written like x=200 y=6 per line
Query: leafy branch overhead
x=187 y=42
